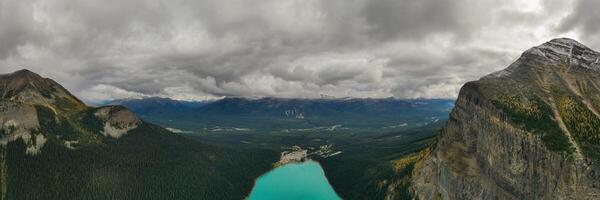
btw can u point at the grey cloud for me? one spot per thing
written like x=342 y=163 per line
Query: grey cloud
x=286 y=48
x=16 y=28
x=412 y=19
x=584 y=17
x=584 y=20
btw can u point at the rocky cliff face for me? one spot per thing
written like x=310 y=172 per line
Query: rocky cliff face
x=117 y=120
x=530 y=131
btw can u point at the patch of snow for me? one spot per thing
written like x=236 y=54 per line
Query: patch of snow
x=334 y=154
x=69 y=144
x=500 y=73
x=116 y=132
x=218 y=129
x=397 y=126
x=536 y=51
x=36 y=148
x=174 y=130
x=11 y=123
x=318 y=128
x=26 y=136
x=332 y=128
x=558 y=49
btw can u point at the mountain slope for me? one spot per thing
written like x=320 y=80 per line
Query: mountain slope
x=28 y=87
x=531 y=131
x=54 y=147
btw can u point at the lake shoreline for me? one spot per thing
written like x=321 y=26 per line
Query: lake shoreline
x=290 y=179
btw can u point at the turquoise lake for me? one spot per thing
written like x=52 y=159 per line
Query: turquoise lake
x=296 y=181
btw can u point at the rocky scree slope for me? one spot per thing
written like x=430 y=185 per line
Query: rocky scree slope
x=530 y=131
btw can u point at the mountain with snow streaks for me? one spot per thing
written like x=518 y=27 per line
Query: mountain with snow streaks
x=530 y=131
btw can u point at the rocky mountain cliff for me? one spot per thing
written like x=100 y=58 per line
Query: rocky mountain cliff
x=28 y=87
x=530 y=131
x=52 y=146
x=32 y=106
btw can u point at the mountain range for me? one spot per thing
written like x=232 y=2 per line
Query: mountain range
x=158 y=105
x=530 y=131
x=264 y=115
x=56 y=147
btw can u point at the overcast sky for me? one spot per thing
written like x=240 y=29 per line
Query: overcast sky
x=194 y=50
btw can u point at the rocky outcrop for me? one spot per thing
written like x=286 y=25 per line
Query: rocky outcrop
x=527 y=132
x=20 y=121
x=117 y=120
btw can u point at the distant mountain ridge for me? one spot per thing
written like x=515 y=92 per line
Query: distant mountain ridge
x=281 y=106
x=157 y=105
x=319 y=107
x=266 y=114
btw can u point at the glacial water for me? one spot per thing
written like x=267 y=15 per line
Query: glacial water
x=296 y=181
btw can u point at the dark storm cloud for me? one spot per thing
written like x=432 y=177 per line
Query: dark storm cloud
x=389 y=19
x=15 y=29
x=584 y=18
x=287 y=48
